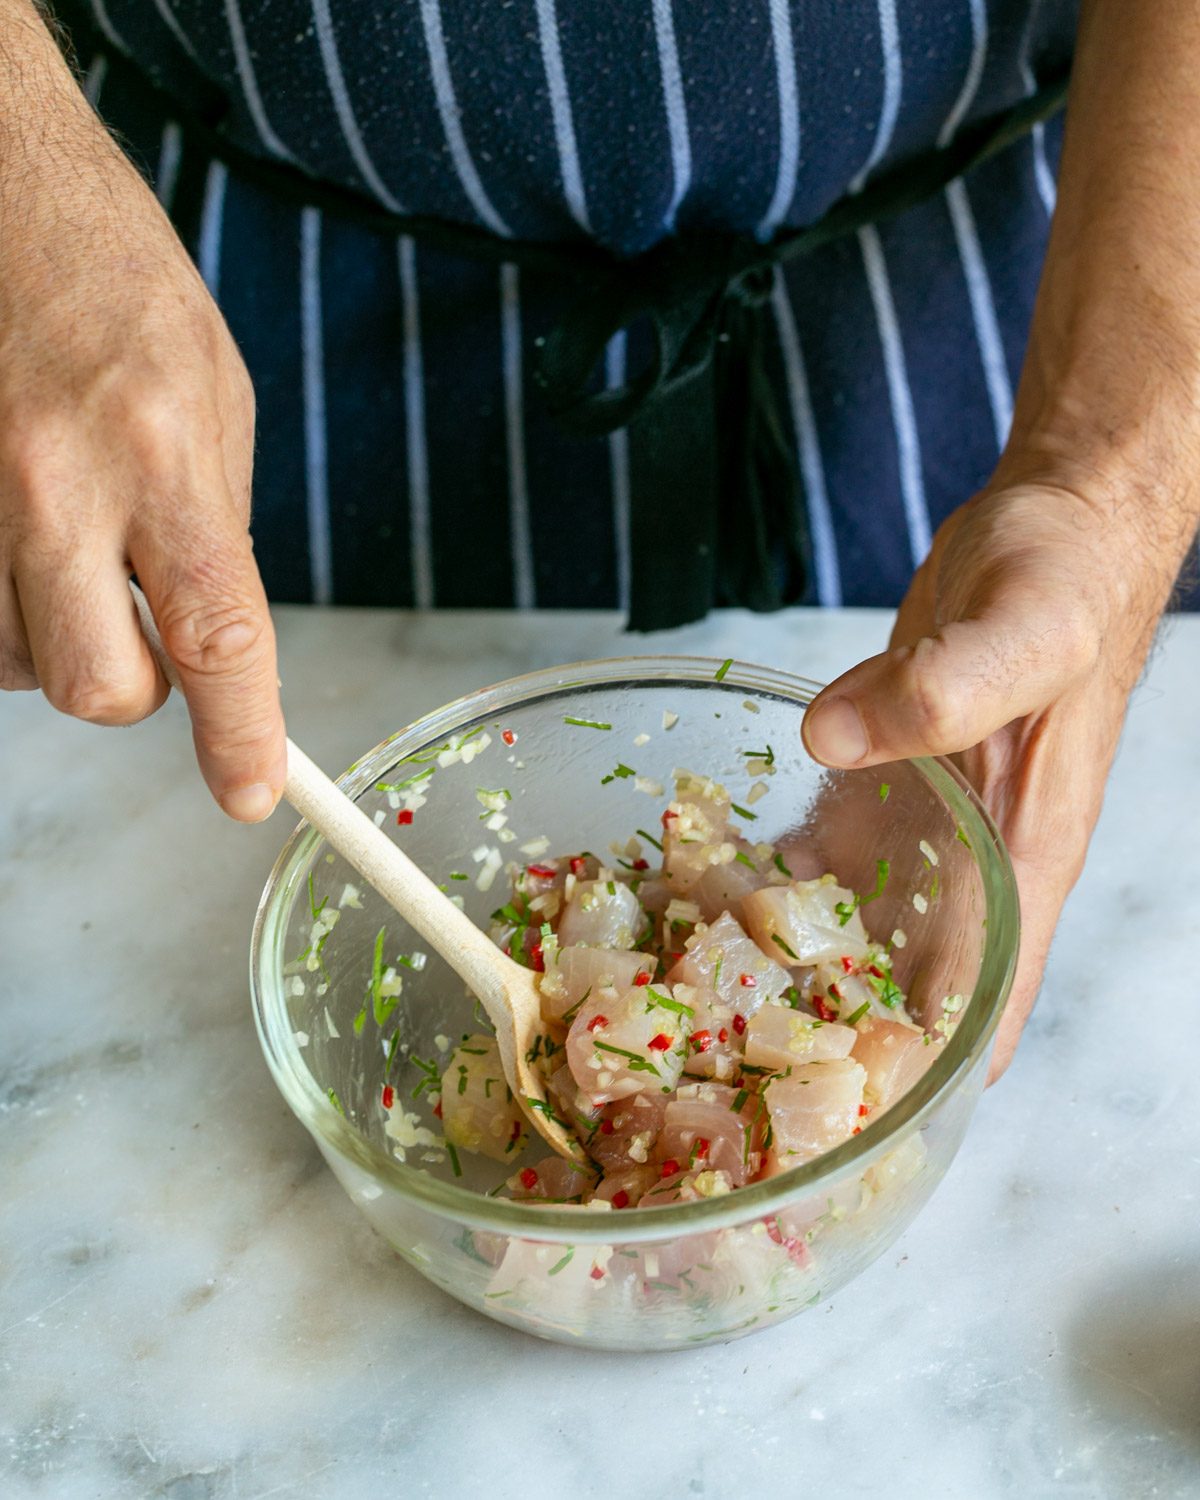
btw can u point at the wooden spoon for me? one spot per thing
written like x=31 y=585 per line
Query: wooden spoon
x=506 y=991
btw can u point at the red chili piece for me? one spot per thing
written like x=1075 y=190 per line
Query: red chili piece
x=847 y=965
x=660 y=1043
x=641 y=864
x=702 y=1040
x=543 y=872
x=404 y=815
x=516 y=1130
x=878 y=973
x=597 y=1023
x=822 y=1009
x=667 y=816
x=388 y=1096
x=748 y=981
x=700 y=1147
x=578 y=865
x=857 y=1130
x=739 y=1023
x=537 y=958
x=864 y=1109
x=669 y=1167
x=528 y=1179
x=620 y=1199
x=641 y=978
x=835 y=992
x=508 y=737
x=722 y=1035
x=437 y=1109
x=597 y=1273
x=606 y=1127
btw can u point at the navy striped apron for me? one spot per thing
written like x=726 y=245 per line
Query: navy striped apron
x=404 y=454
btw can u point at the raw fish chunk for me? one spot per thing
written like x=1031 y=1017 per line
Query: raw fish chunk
x=723 y=887
x=715 y=1045
x=575 y=972
x=723 y=959
x=569 y=1102
x=695 y=831
x=553 y=1179
x=629 y=1043
x=778 y=1037
x=687 y=1187
x=478 y=1110
x=711 y=1125
x=851 y=990
x=627 y=1134
x=894 y=1055
x=813 y=1109
x=624 y=1187
x=602 y=914
x=800 y=924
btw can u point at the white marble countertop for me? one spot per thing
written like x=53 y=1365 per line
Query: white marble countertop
x=190 y=1307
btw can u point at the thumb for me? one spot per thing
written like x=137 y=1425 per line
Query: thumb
x=949 y=690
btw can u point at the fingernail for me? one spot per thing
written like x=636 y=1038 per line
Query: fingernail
x=834 y=733
x=249 y=804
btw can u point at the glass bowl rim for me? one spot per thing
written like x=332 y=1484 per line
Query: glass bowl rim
x=577 y=1224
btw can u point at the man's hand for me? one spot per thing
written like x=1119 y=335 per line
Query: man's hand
x=1018 y=644
x=1025 y=630
x=126 y=444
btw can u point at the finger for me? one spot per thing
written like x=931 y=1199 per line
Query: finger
x=1042 y=895
x=208 y=600
x=16 y=662
x=89 y=654
x=949 y=690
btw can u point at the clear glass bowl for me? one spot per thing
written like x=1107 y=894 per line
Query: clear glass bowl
x=681 y=1275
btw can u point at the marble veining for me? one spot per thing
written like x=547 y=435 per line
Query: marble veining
x=190 y=1308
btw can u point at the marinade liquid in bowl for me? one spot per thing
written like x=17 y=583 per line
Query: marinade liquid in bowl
x=358 y=1018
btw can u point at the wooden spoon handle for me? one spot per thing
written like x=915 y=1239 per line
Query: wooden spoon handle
x=385 y=866
x=400 y=882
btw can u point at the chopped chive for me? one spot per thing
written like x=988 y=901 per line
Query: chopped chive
x=621 y=773
x=744 y=812
x=884 y=789
x=781 y=867
x=458 y=875
x=432 y=1079
x=739 y=1100
x=767 y=756
x=360 y=1021
x=637 y=1064
x=882 y=871
x=312 y=898
x=719 y=674
x=586 y=723
x=858 y=1014
x=650 y=839
x=391 y=1053
x=544 y=1109
x=336 y=1102
x=743 y=859
x=401 y=786
x=664 y=1002
x=565 y=1261
x=961 y=836
x=791 y=952
x=454 y=1161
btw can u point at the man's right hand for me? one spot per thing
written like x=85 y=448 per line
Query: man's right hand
x=126 y=444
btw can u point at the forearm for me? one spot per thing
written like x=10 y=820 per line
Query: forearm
x=54 y=151
x=1109 y=403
